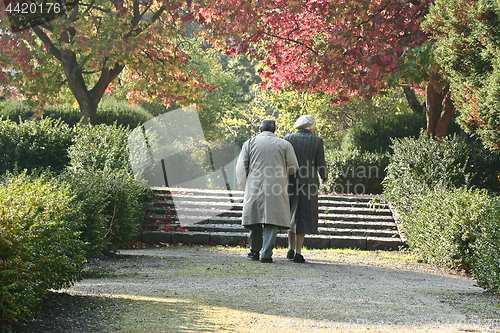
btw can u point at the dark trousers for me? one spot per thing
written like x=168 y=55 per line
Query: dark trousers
x=262 y=238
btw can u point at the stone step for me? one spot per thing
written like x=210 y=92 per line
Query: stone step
x=362 y=224
x=226 y=204
x=350 y=221
x=353 y=204
x=355 y=217
x=337 y=221
x=322 y=231
x=331 y=200
x=240 y=238
x=236 y=210
x=191 y=211
x=195 y=193
x=359 y=232
x=192 y=219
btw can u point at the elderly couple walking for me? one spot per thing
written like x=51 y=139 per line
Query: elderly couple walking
x=280 y=178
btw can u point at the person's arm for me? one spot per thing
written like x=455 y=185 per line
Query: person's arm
x=242 y=166
x=321 y=163
x=291 y=160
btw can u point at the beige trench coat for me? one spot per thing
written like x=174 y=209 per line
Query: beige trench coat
x=263 y=167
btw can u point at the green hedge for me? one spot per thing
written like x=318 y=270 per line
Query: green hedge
x=354 y=172
x=101 y=147
x=486 y=249
x=40 y=247
x=442 y=223
x=109 y=111
x=54 y=145
x=101 y=178
x=376 y=134
x=92 y=207
x=34 y=144
x=113 y=205
x=452 y=160
x=446 y=195
x=14 y=109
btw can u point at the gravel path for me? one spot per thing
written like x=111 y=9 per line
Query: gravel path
x=220 y=290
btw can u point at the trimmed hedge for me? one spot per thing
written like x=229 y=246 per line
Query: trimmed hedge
x=442 y=223
x=100 y=147
x=54 y=145
x=40 y=247
x=452 y=161
x=445 y=193
x=113 y=206
x=109 y=111
x=14 y=109
x=486 y=250
x=375 y=135
x=34 y=144
x=101 y=178
x=354 y=172
x=49 y=224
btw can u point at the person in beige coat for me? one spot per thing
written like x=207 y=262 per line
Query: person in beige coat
x=262 y=169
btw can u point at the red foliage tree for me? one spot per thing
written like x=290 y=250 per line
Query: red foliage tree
x=344 y=48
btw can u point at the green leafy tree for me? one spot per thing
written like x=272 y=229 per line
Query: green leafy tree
x=467 y=46
x=215 y=105
x=333 y=121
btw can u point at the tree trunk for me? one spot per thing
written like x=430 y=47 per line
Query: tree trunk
x=412 y=99
x=446 y=117
x=88 y=100
x=439 y=106
x=88 y=110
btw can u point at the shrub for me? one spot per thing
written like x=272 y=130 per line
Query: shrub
x=453 y=161
x=34 y=144
x=40 y=246
x=101 y=178
x=14 y=109
x=354 y=172
x=113 y=205
x=442 y=223
x=65 y=112
x=440 y=189
x=485 y=265
x=99 y=147
x=375 y=135
x=111 y=110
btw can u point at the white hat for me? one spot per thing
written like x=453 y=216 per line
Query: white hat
x=305 y=121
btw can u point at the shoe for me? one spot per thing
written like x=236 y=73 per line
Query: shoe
x=266 y=260
x=298 y=258
x=253 y=255
x=290 y=254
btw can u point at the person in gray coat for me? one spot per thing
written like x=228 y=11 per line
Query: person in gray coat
x=304 y=185
x=262 y=169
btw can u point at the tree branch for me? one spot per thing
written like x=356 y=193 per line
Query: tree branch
x=154 y=18
x=292 y=41
x=413 y=102
x=46 y=40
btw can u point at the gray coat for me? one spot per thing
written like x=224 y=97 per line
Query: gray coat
x=263 y=167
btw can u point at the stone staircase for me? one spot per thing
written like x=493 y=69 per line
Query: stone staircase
x=190 y=216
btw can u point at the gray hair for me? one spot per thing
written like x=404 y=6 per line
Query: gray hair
x=268 y=125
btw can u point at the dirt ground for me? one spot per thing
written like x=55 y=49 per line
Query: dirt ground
x=216 y=289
